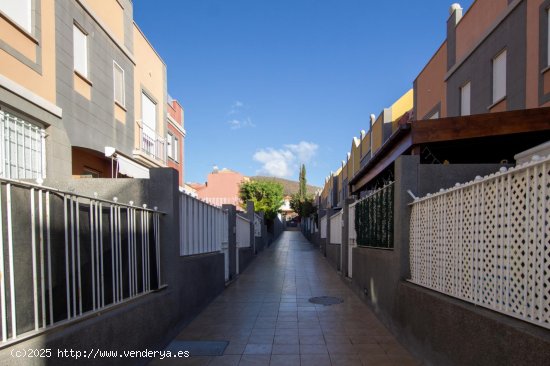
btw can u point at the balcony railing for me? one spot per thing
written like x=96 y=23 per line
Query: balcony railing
x=152 y=144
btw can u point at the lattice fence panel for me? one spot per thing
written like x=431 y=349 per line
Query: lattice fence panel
x=488 y=241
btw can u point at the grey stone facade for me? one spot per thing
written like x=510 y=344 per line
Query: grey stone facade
x=91 y=123
x=509 y=35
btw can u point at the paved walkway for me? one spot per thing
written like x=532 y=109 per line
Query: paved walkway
x=268 y=319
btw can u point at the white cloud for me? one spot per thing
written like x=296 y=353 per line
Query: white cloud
x=284 y=162
x=235 y=107
x=235 y=124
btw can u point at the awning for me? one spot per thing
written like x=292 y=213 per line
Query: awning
x=131 y=168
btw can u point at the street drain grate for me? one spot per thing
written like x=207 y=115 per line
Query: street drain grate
x=198 y=348
x=326 y=300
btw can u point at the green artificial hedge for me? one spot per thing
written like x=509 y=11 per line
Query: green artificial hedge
x=374 y=219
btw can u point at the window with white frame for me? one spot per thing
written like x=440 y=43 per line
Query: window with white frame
x=176 y=148
x=465 y=99
x=22 y=148
x=19 y=11
x=118 y=76
x=80 y=50
x=169 y=147
x=499 y=77
x=148 y=112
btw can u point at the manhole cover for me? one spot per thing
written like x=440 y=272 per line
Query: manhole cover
x=326 y=300
x=198 y=348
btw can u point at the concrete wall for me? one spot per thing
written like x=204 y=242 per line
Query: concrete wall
x=447 y=331
x=246 y=255
x=333 y=255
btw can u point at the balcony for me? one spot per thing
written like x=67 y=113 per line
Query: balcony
x=151 y=147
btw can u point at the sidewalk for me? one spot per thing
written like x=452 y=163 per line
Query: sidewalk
x=267 y=318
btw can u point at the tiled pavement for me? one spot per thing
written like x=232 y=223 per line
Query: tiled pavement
x=266 y=316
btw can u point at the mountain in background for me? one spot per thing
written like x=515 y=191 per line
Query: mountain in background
x=290 y=187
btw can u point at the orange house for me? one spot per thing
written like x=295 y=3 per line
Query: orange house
x=175 y=138
x=496 y=57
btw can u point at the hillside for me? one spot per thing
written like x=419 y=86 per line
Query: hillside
x=290 y=186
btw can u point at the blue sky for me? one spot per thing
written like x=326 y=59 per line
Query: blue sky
x=269 y=84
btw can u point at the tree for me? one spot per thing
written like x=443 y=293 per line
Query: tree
x=267 y=196
x=301 y=202
x=303 y=182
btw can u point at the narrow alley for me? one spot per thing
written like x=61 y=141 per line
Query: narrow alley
x=267 y=318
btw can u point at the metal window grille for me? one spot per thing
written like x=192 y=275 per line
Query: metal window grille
x=22 y=149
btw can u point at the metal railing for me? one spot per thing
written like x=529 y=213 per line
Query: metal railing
x=487 y=241
x=22 y=148
x=203 y=227
x=64 y=256
x=336 y=228
x=151 y=143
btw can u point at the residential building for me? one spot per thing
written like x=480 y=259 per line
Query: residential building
x=175 y=137
x=82 y=93
x=221 y=187
x=28 y=100
x=365 y=148
x=495 y=58
x=151 y=98
x=94 y=82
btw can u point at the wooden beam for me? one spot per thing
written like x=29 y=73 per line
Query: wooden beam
x=481 y=125
x=389 y=157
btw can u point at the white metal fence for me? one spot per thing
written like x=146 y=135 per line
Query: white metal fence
x=64 y=256
x=336 y=228
x=22 y=148
x=488 y=241
x=243 y=232
x=203 y=227
x=324 y=227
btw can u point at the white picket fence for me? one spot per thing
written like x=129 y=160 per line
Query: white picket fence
x=336 y=228
x=203 y=227
x=488 y=241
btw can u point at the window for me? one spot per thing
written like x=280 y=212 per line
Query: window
x=19 y=11
x=499 y=77
x=80 y=51
x=169 y=147
x=22 y=151
x=148 y=112
x=465 y=100
x=118 y=76
x=176 y=149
